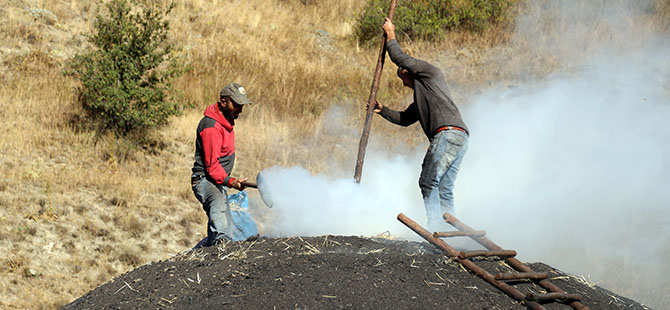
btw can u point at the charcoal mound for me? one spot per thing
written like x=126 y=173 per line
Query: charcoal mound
x=327 y=272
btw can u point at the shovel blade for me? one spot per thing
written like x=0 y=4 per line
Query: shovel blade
x=264 y=190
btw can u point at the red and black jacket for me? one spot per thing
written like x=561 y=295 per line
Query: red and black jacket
x=214 y=147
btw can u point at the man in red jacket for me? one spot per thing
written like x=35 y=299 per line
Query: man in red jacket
x=214 y=160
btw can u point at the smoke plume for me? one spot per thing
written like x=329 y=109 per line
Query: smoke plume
x=312 y=205
x=572 y=170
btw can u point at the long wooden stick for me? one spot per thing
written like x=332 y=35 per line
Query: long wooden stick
x=371 y=102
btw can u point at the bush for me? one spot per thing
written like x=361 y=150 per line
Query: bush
x=126 y=79
x=429 y=19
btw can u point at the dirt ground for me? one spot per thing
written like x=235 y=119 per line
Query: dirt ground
x=325 y=272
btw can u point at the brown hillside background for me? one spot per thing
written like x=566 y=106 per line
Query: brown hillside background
x=77 y=210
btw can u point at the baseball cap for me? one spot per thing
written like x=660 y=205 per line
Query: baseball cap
x=236 y=92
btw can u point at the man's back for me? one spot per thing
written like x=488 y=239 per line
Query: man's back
x=434 y=105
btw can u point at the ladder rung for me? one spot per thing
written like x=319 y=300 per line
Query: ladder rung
x=501 y=254
x=522 y=275
x=553 y=296
x=445 y=234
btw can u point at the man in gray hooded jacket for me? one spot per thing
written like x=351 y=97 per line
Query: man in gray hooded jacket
x=441 y=122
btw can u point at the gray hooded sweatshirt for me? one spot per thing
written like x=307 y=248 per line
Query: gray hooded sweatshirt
x=432 y=105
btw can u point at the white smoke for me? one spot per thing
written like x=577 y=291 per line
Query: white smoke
x=574 y=170
x=312 y=205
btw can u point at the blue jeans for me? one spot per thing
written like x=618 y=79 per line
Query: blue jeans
x=214 y=201
x=438 y=174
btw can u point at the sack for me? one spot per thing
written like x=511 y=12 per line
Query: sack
x=243 y=226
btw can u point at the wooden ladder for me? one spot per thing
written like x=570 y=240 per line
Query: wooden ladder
x=524 y=272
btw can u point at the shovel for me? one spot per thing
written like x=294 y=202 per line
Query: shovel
x=262 y=188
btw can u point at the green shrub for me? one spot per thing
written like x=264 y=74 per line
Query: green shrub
x=429 y=19
x=126 y=79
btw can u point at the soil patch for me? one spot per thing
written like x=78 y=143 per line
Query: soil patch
x=327 y=272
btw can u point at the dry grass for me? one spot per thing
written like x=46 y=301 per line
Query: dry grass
x=80 y=209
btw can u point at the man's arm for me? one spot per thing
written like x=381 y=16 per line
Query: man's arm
x=416 y=67
x=237 y=183
x=402 y=118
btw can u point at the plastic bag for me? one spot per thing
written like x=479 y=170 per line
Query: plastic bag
x=243 y=226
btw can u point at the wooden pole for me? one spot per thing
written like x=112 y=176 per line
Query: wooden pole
x=371 y=102
x=522 y=276
x=502 y=254
x=445 y=234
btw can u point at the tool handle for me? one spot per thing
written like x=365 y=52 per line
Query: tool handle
x=249 y=184
x=363 y=144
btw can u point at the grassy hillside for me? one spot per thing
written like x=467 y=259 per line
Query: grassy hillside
x=77 y=209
